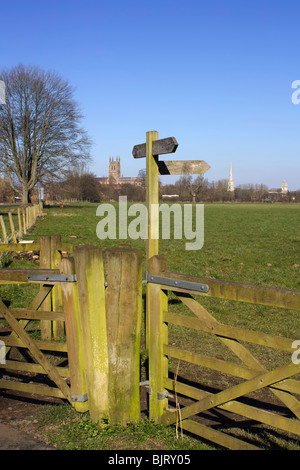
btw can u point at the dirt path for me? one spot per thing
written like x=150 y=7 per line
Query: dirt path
x=18 y=425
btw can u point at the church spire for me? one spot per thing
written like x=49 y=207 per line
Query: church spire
x=230 y=186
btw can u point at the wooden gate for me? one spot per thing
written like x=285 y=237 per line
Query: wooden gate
x=252 y=374
x=56 y=328
x=89 y=307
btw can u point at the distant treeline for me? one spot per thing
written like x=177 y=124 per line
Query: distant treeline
x=86 y=187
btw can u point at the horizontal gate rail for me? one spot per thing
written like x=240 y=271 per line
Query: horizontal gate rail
x=241 y=334
x=24 y=247
x=274 y=297
x=41 y=344
x=36 y=389
x=33 y=367
x=47 y=276
x=30 y=314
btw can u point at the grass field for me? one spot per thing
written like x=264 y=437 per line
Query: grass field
x=251 y=243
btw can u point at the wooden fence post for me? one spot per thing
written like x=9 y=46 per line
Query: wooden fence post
x=158 y=336
x=74 y=329
x=45 y=263
x=12 y=227
x=91 y=290
x=27 y=217
x=123 y=271
x=20 y=223
x=56 y=294
x=3 y=229
x=24 y=220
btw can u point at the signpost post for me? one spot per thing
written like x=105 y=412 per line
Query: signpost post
x=154 y=167
x=151 y=150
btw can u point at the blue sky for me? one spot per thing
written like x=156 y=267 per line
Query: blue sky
x=217 y=75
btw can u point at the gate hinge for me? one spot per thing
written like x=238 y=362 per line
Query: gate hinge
x=164 y=394
x=51 y=277
x=79 y=398
x=146 y=384
x=171 y=282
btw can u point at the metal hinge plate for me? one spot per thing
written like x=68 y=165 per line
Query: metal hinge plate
x=164 y=394
x=51 y=277
x=168 y=281
x=79 y=398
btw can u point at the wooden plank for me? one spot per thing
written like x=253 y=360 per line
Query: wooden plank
x=183 y=167
x=34 y=305
x=20 y=247
x=42 y=345
x=74 y=334
x=66 y=247
x=152 y=201
x=152 y=197
x=160 y=147
x=123 y=297
x=219 y=365
x=45 y=262
x=231 y=393
x=20 y=275
x=91 y=290
x=20 y=223
x=24 y=220
x=4 y=233
x=271 y=296
x=30 y=314
x=215 y=436
x=35 y=351
x=31 y=388
x=157 y=302
x=239 y=349
x=12 y=227
x=255 y=337
x=58 y=328
x=248 y=411
x=34 y=368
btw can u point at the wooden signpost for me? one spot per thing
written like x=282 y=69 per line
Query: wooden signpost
x=151 y=150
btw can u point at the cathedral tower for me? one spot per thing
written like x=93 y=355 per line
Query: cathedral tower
x=114 y=169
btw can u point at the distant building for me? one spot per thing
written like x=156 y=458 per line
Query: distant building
x=114 y=175
x=230 y=186
x=282 y=190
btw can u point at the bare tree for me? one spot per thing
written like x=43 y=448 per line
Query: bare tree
x=192 y=187
x=40 y=132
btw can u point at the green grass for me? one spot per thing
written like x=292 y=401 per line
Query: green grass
x=253 y=243
x=250 y=243
x=66 y=429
